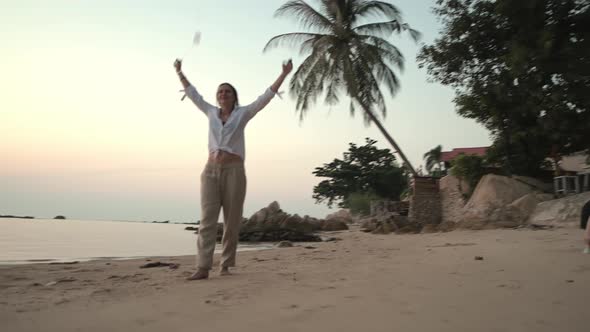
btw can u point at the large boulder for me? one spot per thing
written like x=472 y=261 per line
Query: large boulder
x=334 y=224
x=341 y=215
x=521 y=209
x=453 y=196
x=564 y=211
x=486 y=207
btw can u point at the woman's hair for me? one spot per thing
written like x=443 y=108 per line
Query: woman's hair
x=234 y=90
x=585 y=215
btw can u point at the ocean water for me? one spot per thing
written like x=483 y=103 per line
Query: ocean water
x=25 y=241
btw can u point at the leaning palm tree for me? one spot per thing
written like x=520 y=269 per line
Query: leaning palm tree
x=433 y=158
x=346 y=52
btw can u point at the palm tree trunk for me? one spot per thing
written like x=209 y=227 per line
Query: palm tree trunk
x=391 y=141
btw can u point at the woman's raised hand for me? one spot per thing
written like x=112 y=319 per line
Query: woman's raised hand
x=287 y=66
x=178 y=65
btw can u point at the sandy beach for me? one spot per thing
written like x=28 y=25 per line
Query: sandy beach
x=526 y=280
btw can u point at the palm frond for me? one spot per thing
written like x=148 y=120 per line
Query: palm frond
x=379 y=28
x=377 y=9
x=415 y=34
x=308 y=81
x=292 y=39
x=307 y=16
x=320 y=43
x=384 y=49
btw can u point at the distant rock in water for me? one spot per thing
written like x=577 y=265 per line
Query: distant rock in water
x=60 y=217
x=160 y=222
x=16 y=217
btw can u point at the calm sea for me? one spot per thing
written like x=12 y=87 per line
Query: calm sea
x=25 y=241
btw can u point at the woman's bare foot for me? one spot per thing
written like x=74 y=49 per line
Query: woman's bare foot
x=199 y=275
x=224 y=271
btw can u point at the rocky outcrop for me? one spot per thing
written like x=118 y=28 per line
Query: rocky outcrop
x=271 y=224
x=384 y=207
x=343 y=215
x=389 y=223
x=453 y=196
x=564 y=211
x=495 y=203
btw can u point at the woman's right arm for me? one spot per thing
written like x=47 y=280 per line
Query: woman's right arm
x=190 y=90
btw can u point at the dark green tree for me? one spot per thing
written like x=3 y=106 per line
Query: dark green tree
x=520 y=68
x=363 y=169
x=346 y=52
x=469 y=168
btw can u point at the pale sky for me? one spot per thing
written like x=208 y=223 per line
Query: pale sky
x=92 y=126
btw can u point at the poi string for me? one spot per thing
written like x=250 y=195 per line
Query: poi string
x=196 y=42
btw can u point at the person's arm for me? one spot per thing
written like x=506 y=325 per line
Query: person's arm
x=183 y=79
x=287 y=67
x=265 y=98
x=190 y=90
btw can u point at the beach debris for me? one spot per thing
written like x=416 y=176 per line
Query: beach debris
x=172 y=266
x=569 y=281
x=61 y=301
x=310 y=247
x=127 y=276
x=64 y=263
x=479 y=258
x=190 y=228
x=331 y=239
x=284 y=244
x=55 y=282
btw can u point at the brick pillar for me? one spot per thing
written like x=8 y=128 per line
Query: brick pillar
x=425 y=203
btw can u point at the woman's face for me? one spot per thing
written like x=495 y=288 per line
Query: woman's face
x=226 y=95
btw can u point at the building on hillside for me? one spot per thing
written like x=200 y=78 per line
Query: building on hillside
x=448 y=156
x=574 y=174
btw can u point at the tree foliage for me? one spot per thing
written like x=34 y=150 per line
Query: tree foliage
x=469 y=168
x=346 y=51
x=363 y=169
x=520 y=68
x=433 y=160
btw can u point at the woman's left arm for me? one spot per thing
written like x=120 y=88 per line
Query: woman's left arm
x=265 y=98
x=287 y=67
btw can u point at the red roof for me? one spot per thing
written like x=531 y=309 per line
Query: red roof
x=450 y=155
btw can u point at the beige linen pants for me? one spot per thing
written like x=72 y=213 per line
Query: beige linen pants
x=222 y=186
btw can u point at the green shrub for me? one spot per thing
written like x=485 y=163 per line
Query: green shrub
x=468 y=168
x=359 y=203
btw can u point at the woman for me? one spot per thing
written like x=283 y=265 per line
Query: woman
x=585 y=224
x=223 y=181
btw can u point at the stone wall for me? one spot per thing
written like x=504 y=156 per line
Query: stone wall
x=425 y=209
x=425 y=203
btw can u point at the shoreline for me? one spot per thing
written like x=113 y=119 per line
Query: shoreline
x=243 y=247
x=526 y=280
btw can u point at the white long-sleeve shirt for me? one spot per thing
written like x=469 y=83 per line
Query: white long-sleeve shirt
x=229 y=137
